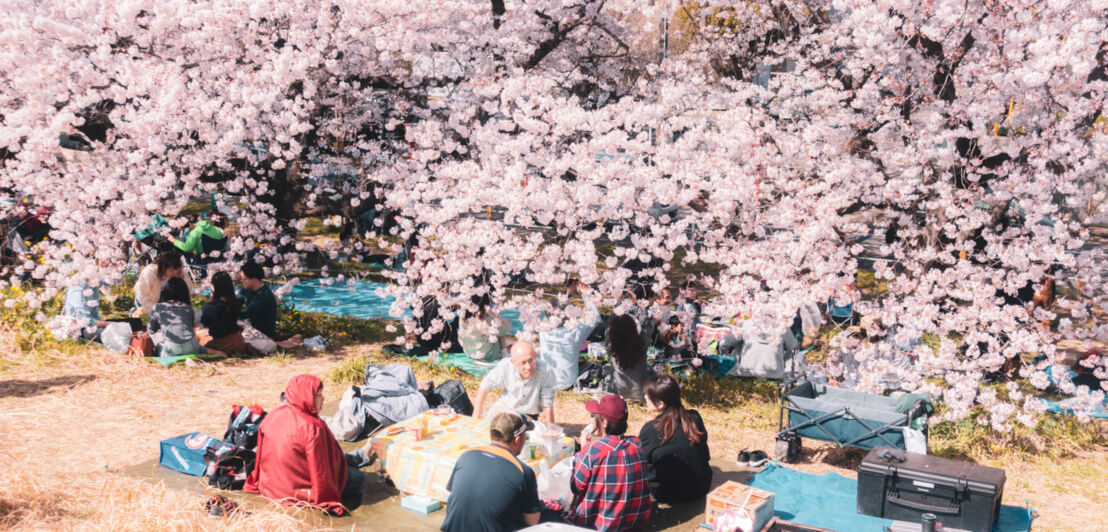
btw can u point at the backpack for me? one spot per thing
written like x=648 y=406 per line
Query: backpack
x=452 y=393
x=141 y=345
x=594 y=376
x=242 y=427
x=229 y=471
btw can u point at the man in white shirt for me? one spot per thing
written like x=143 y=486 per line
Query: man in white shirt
x=527 y=383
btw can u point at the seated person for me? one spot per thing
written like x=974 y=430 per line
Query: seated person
x=484 y=335
x=560 y=348
x=193 y=243
x=443 y=340
x=527 y=383
x=221 y=316
x=81 y=314
x=674 y=341
x=810 y=322
x=259 y=305
x=628 y=358
x=150 y=237
x=763 y=354
x=675 y=444
x=641 y=314
x=691 y=310
x=82 y=311
x=174 y=317
x=661 y=310
x=298 y=459
x=491 y=489
x=152 y=278
x=610 y=490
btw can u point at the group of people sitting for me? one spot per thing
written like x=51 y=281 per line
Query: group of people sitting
x=484 y=335
x=616 y=477
x=657 y=322
x=163 y=293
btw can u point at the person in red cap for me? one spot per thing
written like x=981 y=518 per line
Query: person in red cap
x=610 y=489
x=298 y=459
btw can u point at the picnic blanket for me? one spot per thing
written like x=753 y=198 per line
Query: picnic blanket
x=477 y=368
x=830 y=501
x=424 y=467
x=1064 y=407
x=358 y=299
x=167 y=361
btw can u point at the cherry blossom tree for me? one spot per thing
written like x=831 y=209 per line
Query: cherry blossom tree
x=955 y=149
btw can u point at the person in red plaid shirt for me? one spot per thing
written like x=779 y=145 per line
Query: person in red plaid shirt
x=610 y=490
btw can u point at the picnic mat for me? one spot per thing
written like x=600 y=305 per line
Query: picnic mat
x=1065 y=408
x=167 y=361
x=379 y=509
x=424 y=467
x=358 y=300
x=830 y=501
x=461 y=361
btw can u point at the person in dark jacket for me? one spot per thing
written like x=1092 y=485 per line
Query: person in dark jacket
x=221 y=316
x=299 y=462
x=259 y=306
x=628 y=358
x=675 y=443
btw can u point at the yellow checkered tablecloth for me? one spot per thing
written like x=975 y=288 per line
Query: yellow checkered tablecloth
x=424 y=467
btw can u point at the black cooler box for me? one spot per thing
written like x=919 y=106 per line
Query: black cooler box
x=960 y=494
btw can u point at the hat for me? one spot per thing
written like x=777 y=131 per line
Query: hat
x=611 y=407
x=507 y=426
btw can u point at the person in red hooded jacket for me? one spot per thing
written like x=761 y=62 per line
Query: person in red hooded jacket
x=298 y=459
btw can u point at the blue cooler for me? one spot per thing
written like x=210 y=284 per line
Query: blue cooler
x=191 y=453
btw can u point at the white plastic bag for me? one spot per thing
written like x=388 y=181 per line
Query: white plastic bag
x=116 y=336
x=553 y=482
x=258 y=340
x=345 y=424
x=316 y=343
x=915 y=441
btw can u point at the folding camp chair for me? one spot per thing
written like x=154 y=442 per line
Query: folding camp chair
x=840 y=315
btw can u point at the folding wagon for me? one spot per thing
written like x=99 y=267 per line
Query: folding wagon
x=844 y=417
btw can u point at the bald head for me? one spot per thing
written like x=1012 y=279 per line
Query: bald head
x=524 y=359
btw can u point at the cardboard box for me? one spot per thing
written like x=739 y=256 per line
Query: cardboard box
x=731 y=494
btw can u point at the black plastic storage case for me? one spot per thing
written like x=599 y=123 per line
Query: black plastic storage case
x=960 y=494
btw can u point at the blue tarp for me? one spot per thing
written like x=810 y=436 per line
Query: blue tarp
x=830 y=501
x=357 y=300
x=1065 y=408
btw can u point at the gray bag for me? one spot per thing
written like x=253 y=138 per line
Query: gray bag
x=348 y=424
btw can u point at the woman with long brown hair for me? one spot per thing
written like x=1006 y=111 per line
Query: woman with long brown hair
x=675 y=443
x=628 y=356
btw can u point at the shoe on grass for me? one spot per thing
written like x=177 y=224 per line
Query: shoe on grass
x=757 y=459
x=743 y=459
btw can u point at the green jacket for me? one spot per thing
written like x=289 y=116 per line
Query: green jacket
x=193 y=244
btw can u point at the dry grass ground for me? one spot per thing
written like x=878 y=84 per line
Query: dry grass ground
x=68 y=427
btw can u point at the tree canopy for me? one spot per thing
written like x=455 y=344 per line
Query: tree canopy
x=957 y=149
